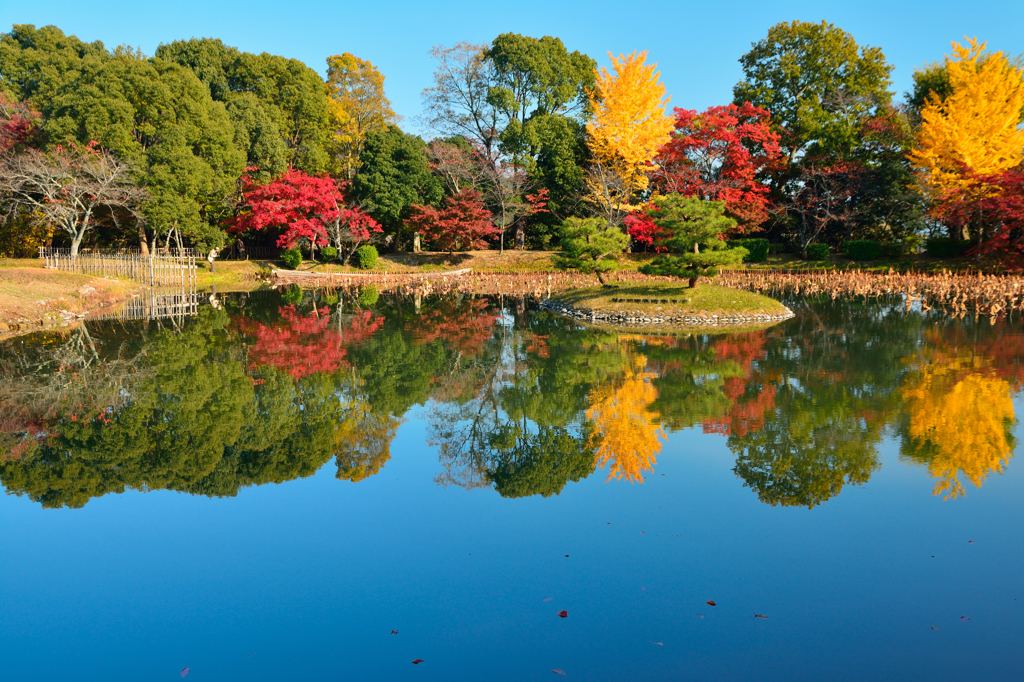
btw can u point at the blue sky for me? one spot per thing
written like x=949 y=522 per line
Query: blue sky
x=695 y=44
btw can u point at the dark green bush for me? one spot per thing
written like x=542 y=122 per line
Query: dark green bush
x=368 y=295
x=946 y=248
x=292 y=258
x=366 y=256
x=863 y=249
x=757 y=248
x=817 y=252
x=329 y=253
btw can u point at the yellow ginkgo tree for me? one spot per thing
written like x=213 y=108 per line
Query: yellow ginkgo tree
x=974 y=132
x=357 y=107
x=628 y=127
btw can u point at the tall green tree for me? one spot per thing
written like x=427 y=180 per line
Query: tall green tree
x=394 y=175
x=289 y=94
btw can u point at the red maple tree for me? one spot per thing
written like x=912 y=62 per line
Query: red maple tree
x=303 y=207
x=717 y=155
x=19 y=125
x=994 y=203
x=461 y=224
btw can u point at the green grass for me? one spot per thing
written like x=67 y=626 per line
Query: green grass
x=707 y=299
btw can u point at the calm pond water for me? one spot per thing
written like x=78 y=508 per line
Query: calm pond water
x=268 y=490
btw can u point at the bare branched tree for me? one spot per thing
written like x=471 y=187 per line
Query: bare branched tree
x=69 y=188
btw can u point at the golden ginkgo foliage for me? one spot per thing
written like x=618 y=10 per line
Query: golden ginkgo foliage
x=973 y=131
x=356 y=108
x=628 y=127
x=960 y=416
x=626 y=434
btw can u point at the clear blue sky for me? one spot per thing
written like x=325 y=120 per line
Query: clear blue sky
x=695 y=44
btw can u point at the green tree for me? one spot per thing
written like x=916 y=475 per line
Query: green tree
x=695 y=228
x=818 y=84
x=591 y=245
x=290 y=94
x=394 y=175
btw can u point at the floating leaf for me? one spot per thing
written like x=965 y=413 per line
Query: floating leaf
x=558 y=671
x=964 y=618
x=970 y=542
x=417 y=661
x=710 y=603
x=185 y=671
x=563 y=614
x=394 y=632
x=658 y=643
x=933 y=627
x=566 y=556
x=549 y=599
x=758 y=615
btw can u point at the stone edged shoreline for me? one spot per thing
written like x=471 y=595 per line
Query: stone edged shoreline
x=675 y=318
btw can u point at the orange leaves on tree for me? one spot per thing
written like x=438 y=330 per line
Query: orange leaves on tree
x=975 y=130
x=626 y=434
x=460 y=225
x=628 y=127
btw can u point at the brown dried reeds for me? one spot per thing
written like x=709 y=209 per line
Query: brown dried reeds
x=992 y=296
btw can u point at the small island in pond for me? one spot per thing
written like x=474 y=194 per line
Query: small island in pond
x=668 y=305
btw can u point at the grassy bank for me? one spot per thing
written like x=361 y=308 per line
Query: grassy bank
x=34 y=298
x=668 y=297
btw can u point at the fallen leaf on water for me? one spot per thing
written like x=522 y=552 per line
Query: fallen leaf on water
x=549 y=599
x=417 y=661
x=758 y=615
x=964 y=618
x=185 y=671
x=558 y=671
x=658 y=643
x=566 y=556
x=641 y=532
x=394 y=632
x=643 y=588
x=563 y=614
x=970 y=542
x=701 y=615
x=933 y=627
x=710 y=603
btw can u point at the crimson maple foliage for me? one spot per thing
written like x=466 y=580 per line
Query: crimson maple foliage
x=747 y=412
x=999 y=209
x=461 y=224
x=303 y=207
x=717 y=155
x=465 y=327
x=18 y=125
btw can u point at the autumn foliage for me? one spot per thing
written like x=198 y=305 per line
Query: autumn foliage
x=461 y=224
x=717 y=155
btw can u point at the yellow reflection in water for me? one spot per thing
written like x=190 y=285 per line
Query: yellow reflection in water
x=626 y=434
x=962 y=415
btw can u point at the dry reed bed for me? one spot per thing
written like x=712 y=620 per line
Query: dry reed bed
x=955 y=294
x=530 y=284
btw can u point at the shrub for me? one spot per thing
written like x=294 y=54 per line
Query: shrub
x=366 y=256
x=863 y=249
x=757 y=248
x=292 y=258
x=817 y=252
x=329 y=253
x=368 y=295
x=946 y=248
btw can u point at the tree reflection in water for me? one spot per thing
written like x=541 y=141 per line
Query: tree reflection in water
x=525 y=402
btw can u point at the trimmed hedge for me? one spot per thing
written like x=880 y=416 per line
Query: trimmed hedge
x=757 y=248
x=329 y=253
x=817 y=252
x=863 y=249
x=894 y=249
x=946 y=248
x=366 y=256
x=292 y=257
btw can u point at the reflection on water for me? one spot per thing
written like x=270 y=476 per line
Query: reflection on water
x=270 y=387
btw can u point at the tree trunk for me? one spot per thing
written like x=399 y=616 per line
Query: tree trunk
x=416 y=246
x=143 y=246
x=75 y=243
x=693 y=283
x=600 y=277
x=520 y=236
